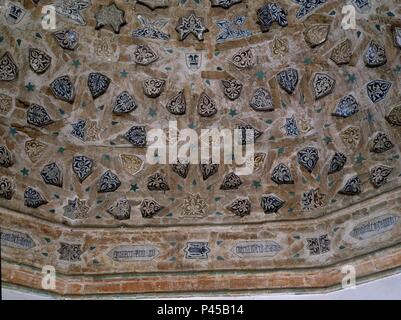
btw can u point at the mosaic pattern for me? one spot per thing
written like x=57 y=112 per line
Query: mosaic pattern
x=313 y=199
x=379 y=175
x=8 y=68
x=291 y=127
x=342 y=53
x=208 y=170
x=149 y=208
x=121 y=209
x=52 y=174
x=224 y=3
x=244 y=59
x=262 y=100
x=271 y=204
x=124 y=103
x=108 y=182
x=381 y=143
x=269 y=13
x=337 y=163
x=33 y=198
x=151 y=29
x=136 y=136
x=154 y=4
x=288 y=79
x=157 y=182
x=181 y=168
x=378 y=90
x=240 y=207
x=206 y=106
x=98 y=84
x=375 y=55
x=39 y=61
x=110 y=16
x=197 y=250
x=14 y=13
x=67 y=39
x=177 y=104
x=394 y=117
x=352 y=187
x=6 y=104
x=144 y=55
x=230 y=182
x=34 y=149
x=308 y=158
x=70 y=252
x=6 y=157
x=191 y=24
x=131 y=163
x=316 y=35
x=153 y=88
x=318 y=104
x=63 y=89
x=282 y=175
x=76 y=209
x=232 y=29
x=7 y=188
x=319 y=245
x=346 y=107
x=232 y=88
x=38 y=116
x=72 y=9
x=323 y=85
x=307 y=6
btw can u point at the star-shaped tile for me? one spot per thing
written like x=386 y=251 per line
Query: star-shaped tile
x=134 y=187
x=191 y=24
x=25 y=172
x=30 y=87
x=110 y=15
x=72 y=9
x=153 y=4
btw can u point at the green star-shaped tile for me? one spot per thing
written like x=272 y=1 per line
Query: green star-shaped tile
x=257 y=184
x=123 y=74
x=328 y=139
x=24 y=172
x=308 y=61
x=192 y=125
x=397 y=69
x=261 y=75
x=351 y=78
x=76 y=63
x=13 y=131
x=233 y=112
x=359 y=159
x=134 y=187
x=30 y=87
x=61 y=150
x=370 y=117
x=110 y=15
x=152 y=112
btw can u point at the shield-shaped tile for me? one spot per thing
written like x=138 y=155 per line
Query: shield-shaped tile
x=63 y=89
x=124 y=103
x=194 y=61
x=39 y=61
x=98 y=84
